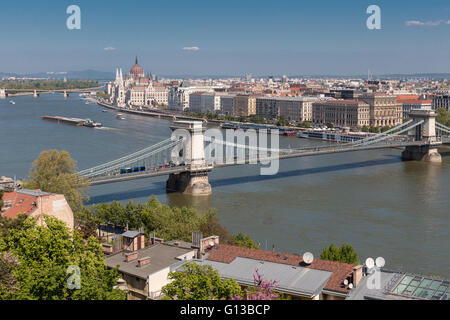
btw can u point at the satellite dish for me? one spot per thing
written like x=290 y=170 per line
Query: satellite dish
x=380 y=262
x=350 y=286
x=370 y=263
x=345 y=282
x=308 y=258
x=211 y=244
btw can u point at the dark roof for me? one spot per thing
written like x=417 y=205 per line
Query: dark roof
x=130 y=234
x=340 y=271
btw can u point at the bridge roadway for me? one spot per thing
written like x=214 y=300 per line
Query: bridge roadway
x=305 y=153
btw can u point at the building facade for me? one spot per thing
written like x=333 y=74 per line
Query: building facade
x=442 y=101
x=341 y=113
x=385 y=111
x=136 y=90
x=244 y=106
x=410 y=105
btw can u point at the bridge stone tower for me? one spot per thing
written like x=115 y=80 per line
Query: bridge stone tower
x=194 y=180
x=425 y=132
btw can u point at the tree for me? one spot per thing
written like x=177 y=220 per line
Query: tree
x=44 y=255
x=263 y=289
x=346 y=254
x=7 y=225
x=55 y=172
x=212 y=227
x=443 y=117
x=244 y=241
x=197 y=282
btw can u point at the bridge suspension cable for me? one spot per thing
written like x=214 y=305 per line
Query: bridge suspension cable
x=375 y=137
x=443 y=128
x=130 y=156
x=121 y=164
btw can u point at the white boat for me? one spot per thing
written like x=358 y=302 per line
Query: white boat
x=120 y=116
x=12 y=102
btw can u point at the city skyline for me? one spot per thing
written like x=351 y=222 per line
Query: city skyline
x=261 y=38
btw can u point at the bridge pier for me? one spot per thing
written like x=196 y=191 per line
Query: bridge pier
x=187 y=183
x=422 y=153
x=194 y=181
x=424 y=132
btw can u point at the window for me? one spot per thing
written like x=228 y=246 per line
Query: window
x=422 y=288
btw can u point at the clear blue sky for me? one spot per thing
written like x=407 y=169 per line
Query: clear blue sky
x=234 y=37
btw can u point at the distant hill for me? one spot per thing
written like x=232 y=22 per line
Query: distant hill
x=74 y=75
x=100 y=75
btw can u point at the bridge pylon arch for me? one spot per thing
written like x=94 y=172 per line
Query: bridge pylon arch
x=194 y=180
x=425 y=131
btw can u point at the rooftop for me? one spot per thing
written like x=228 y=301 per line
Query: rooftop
x=339 y=271
x=21 y=201
x=401 y=286
x=290 y=279
x=161 y=256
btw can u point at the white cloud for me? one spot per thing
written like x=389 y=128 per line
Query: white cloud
x=413 y=23
x=191 y=48
x=109 y=49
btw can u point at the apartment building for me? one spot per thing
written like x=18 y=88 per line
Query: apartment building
x=410 y=105
x=227 y=104
x=267 y=107
x=442 y=101
x=296 y=109
x=341 y=113
x=244 y=106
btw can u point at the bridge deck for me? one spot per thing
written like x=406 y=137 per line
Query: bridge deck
x=332 y=150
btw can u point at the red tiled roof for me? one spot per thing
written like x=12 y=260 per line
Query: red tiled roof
x=21 y=203
x=340 y=271
x=414 y=101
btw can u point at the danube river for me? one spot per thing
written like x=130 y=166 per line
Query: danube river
x=372 y=200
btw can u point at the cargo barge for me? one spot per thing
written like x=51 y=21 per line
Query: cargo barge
x=74 y=121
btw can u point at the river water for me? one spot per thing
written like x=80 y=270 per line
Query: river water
x=371 y=199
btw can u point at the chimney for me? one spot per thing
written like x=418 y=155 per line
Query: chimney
x=141 y=241
x=144 y=261
x=357 y=275
x=131 y=256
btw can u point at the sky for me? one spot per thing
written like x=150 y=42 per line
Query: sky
x=197 y=37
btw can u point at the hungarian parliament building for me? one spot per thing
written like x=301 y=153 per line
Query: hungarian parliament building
x=136 y=90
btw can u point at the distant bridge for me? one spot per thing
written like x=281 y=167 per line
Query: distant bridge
x=420 y=136
x=37 y=92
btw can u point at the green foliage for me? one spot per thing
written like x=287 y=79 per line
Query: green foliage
x=283 y=122
x=256 y=119
x=48 y=84
x=163 y=221
x=244 y=241
x=212 y=227
x=103 y=95
x=345 y=254
x=443 y=117
x=55 y=172
x=7 y=225
x=384 y=129
x=304 y=124
x=42 y=256
x=200 y=283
